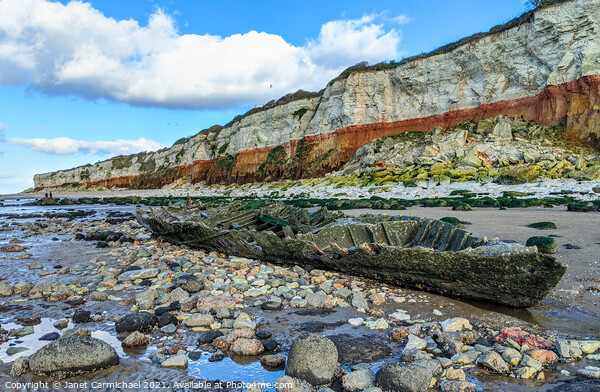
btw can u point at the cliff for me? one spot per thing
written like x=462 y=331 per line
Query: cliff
x=543 y=67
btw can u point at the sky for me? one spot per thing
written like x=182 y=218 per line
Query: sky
x=83 y=81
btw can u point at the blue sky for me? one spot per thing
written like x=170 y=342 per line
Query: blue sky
x=83 y=81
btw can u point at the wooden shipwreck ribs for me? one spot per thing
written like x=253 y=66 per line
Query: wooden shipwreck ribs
x=415 y=252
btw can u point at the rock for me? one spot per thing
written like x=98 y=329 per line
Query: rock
x=455 y=374
x=199 y=320
x=208 y=337
x=179 y=361
x=400 y=316
x=459 y=386
x=270 y=345
x=61 y=324
x=543 y=225
x=189 y=283
x=415 y=342
x=298 y=302
x=544 y=356
x=358 y=380
x=493 y=361
x=568 y=348
x=589 y=346
x=378 y=324
x=355 y=322
x=246 y=346
x=543 y=244
x=166 y=319
x=319 y=300
x=169 y=329
x=589 y=372
x=254 y=387
x=15 y=350
x=527 y=361
x=359 y=302
x=466 y=357
x=271 y=305
x=290 y=384
x=241 y=322
x=76 y=332
x=72 y=356
x=135 y=339
x=456 y=324
x=22 y=331
x=312 y=358
x=6 y=290
x=525 y=372
x=403 y=377
x=138 y=321
x=146 y=273
x=511 y=356
x=20 y=367
x=81 y=316
x=50 y=336
x=273 y=361
x=98 y=296
x=263 y=334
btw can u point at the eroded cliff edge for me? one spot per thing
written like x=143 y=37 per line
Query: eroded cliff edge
x=545 y=68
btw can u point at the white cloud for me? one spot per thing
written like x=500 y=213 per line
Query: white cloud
x=74 y=49
x=65 y=146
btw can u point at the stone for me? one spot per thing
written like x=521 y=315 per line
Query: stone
x=546 y=357
x=355 y=322
x=264 y=334
x=76 y=332
x=135 y=339
x=543 y=244
x=527 y=361
x=400 y=316
x=24 y=331
x=50 y=336
x=511 y=356
x=246 y=346
x=61 y=324
x=81 y=316
x=568 y=349
x=6 y=290
x=169 y=329
x=146 y=273
x=589 y=372
x=270 y=345
x=456 y=324
x=415 y=342
x=466 y=357
x=298 y=302
x=271 y=305
x=589 y=346
x=179 y=361
x=199 y=320
x=319 y=300
x=19 y=367
x=455 y=374
x=241 y=322
x=359 y=302
x=290 y=384
x=75 y=355
x=493 y=361
x=312 y=358
x=459 y=386
x=403 y=377
x=166 y=319
x=273 y=361
x=358 y=380
x=138 y=321
x=15 y=350
x=378 y=324
x=525 y=372
x=208 y=337
x=189 y=283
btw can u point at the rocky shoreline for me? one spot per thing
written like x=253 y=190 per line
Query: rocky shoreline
x=172 y=305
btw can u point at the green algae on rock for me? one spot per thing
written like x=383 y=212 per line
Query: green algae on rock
x=544 y=244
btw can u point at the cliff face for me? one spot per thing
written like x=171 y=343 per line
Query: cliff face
x=545 y=69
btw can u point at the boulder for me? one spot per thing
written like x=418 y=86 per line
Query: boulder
x=245 y=346
x=396 y=376
x=71 y=356
x=312 y=358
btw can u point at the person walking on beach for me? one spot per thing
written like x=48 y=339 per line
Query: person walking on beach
x=46 y=195
x=51 y=195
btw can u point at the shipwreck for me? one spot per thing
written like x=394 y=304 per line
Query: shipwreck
x=407 y=251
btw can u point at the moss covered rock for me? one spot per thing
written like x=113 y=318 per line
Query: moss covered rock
x=544 y=244
x=543 y=225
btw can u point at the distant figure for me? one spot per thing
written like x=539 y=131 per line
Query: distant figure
x=46 y=195
x=51 y=195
